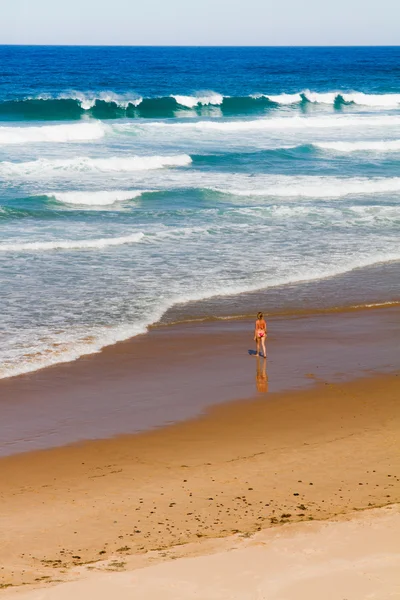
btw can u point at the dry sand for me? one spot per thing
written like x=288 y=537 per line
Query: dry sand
x=355 y=558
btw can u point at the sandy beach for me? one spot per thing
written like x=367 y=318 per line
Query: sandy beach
x=324 y=443
x=355 y=556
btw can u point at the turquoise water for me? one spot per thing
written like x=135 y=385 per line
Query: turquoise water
x=136 y=179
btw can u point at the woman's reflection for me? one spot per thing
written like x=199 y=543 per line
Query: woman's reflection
x=261 y=375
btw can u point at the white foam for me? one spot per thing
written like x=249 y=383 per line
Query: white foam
x=202 y=99
x=360 y=98
x=280 y=98
x=280 y=123
x=52 y=133
x=339 y=212
x=72 y=244
x=377 y=146
x=308 y=187
x=70 y=348
x=242 y=184
x=383 y=100
x=102 y=198
x=84 y=164
x=285 y=186
x=87 y=100
x=296 y=98
x=320 y=98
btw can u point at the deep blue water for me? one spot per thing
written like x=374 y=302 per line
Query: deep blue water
x=181 y=70
x=134 y=179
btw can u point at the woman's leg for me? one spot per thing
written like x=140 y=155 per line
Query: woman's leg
x=258 y=345
x=263 y=346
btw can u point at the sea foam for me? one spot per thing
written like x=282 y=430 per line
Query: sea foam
x=378 y=100
x=71 y=244
x=282 y=123
x=202 y=99
x=306 y=187
x=87 y=100
x=52 y=133
x=85 y=164
x=374 y=146
x=102 y=198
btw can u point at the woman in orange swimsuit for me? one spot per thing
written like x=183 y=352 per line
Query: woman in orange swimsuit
x=260 y=333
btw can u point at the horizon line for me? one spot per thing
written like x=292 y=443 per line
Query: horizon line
x=39 y=45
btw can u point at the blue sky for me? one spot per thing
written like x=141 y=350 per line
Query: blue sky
x=200 y=22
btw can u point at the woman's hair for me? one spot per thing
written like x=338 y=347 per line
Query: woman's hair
x=259 y=315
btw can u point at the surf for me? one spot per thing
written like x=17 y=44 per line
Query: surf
x=288 y=122
x=112 y=105
x=83 y=164
x=101 y=198
x=361 y=146
x=71 y=244
x=52 y=133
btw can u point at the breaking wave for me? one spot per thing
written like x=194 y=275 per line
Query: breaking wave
x=85 y=164
x=306 y=187
x=335 y=97
x=71 y=244
x=52 y=133
x=102 y=198
x=206 y=99
x=281 y=123
x=374 y=146
x=74 y=105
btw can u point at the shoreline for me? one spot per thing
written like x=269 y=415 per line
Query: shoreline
x=177 y=372
x=242 y=467
x=286 y=300
x=359 y=288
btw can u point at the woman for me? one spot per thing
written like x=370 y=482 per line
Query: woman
x=260 y=333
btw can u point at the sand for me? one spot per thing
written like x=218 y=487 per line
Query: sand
x=322 y=446
x=357 y=557
x=242 y=467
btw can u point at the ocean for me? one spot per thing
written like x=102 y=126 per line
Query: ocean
x=139 y=181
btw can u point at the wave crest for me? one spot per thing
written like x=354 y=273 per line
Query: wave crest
x=287 y=122
x=309 y=187
x=71 y=244
x=374 y=146
x=103 y=105
x=206 y=99
x=334 y=97
x=52 y=133
x=85 y=164
x=102 y=198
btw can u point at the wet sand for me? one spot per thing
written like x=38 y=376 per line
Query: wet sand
x=176 y=372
